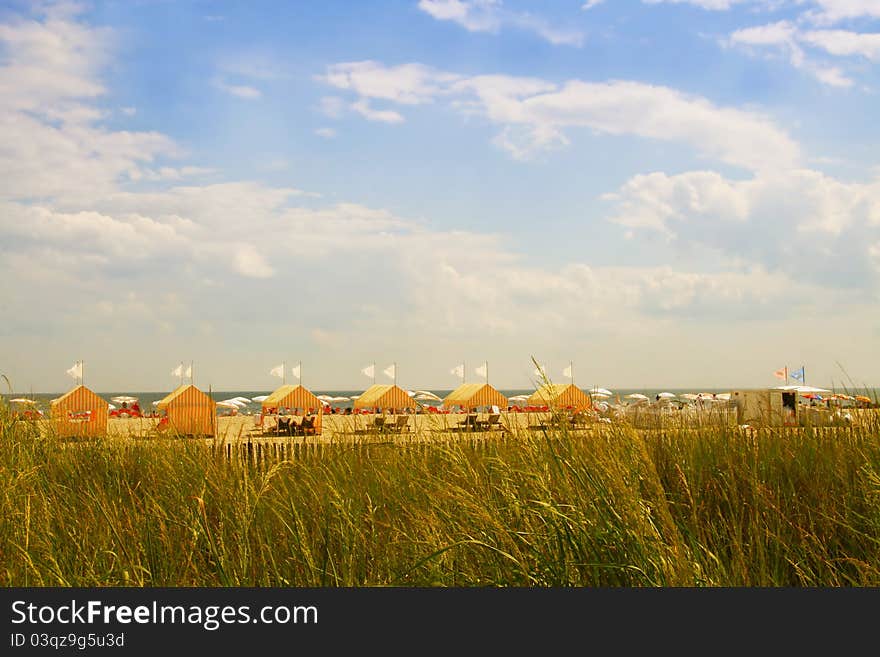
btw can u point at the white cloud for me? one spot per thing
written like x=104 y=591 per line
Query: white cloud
x=712 y=5
x=589 y=4
x=802 y=223
x=326 y=133
x=363 y=108
x=238 y=90
x=491 y=16
x=533 y=113
x=787 y=38
x=407 y=84
x=833 y=11
x=844 y=44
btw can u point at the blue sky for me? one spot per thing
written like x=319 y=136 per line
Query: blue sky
x=677 y=193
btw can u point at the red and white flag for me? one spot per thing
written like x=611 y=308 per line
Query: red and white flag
x=781 y=373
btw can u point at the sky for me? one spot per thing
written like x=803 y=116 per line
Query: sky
x=662 y=193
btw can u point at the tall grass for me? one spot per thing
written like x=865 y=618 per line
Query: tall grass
x=611 y=507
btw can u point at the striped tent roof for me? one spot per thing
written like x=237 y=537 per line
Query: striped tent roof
x=81 y=396
x=560 y=394
x=472 y=395
x=384 y=396
x=180 y=391
x=292 y=397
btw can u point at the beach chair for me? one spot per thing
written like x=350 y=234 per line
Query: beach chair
x=400 y=425
x=493 y=423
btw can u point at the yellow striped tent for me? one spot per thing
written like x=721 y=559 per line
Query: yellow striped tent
x=189 y=411
x=289 y=396
x=79 y=412
x=384 y=397
x=474 y=395
x=560 y=395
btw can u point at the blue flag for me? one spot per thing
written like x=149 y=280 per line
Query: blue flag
x=798 y=375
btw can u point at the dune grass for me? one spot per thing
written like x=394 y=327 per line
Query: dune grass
x=610 y=507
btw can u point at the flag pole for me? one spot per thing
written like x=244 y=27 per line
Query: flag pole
x=395 y=373
x=463 y=371
x=181 y=372
x=374 y=372
x=571 y=368
x=192 y=378
x=283 y=373
x=82 y=372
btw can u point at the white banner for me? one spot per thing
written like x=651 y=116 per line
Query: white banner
x=76 y=371
x=458 y=370
x=177 y=371
x=295 y=371
x=483 y=370
x=390 y=371
x=278 y=371
x=369 y=370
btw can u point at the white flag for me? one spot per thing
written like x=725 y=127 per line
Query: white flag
x=458 y=370
x=278 y=371
x=295 y=371
x=189 y=372
x=369 y=370
x=539 y=371
x=483 y=370
x=567 y=372
x=177 y=371
x=390 y=371
x=76 y=371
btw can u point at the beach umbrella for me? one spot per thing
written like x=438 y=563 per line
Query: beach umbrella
x=864 y=399
x=353 y=397
x=123 y=399
x=723 y=396
x=601 y=391
x=518 y=398
x=637 y=395
x=22 y=400
x=339 y=399
x=600 y=395
x=324 y=398
x=423 y=395
x=244 y=400
x=111 y=407
x=227 y=404
x=666 y=395
x=689 y=395
x=261 y=398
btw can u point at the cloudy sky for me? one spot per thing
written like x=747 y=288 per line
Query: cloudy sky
x=667 y=193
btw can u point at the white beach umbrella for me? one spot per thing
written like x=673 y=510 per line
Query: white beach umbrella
x=339 y=399
x=123 y=399
x=666 y=395
x=637 y=395
x=261 y=398
x=111 y=407
x=689 y=395
x=601 y=391
x=723 y=396
x=353 y=397
x=324 y=398
x=22 y=400
x=227 y=404
x=424 y=395
x=244 y=400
